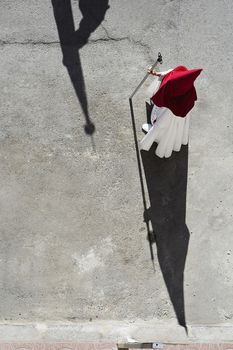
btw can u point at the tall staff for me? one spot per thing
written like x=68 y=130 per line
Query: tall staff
x=149 y=235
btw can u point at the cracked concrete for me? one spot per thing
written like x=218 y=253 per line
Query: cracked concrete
x=29 y=42
x=90 y=41
x=73 y=242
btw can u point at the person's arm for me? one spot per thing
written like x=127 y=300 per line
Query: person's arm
x=153 y=72
x=158 y=74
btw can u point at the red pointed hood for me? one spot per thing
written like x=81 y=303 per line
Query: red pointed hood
x=177 y=91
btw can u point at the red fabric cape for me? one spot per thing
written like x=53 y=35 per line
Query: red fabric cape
x=177 y=91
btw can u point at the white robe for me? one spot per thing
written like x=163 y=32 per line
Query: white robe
x=168 y=130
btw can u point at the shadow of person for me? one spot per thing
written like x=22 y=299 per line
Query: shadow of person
x=167 y=182
x=71 y=41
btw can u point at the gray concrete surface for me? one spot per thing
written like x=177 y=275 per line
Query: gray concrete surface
x=73 y=242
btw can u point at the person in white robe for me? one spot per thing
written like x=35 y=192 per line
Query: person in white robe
x=169 y=131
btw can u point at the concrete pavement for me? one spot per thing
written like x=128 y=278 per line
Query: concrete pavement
x=73 y=241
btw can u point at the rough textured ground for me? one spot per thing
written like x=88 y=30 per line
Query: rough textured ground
x=72 y=239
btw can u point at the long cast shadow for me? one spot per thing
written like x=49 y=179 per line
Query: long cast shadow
x=72 y=41
x=167 y=183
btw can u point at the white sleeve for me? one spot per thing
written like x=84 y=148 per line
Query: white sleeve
x=152 y=88
x=165 y=72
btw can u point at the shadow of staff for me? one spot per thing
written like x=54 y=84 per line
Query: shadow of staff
x=167 y=183
x=71 y=41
